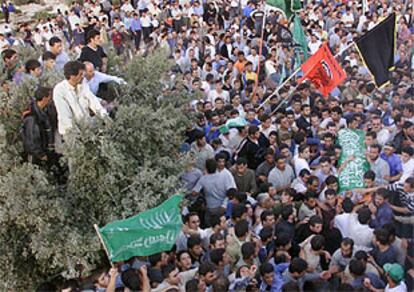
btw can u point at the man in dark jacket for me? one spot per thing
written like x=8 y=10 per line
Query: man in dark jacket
x=37 y=132
x=303 y=122
x=251 y=149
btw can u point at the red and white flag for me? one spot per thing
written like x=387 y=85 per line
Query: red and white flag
x=323 y=70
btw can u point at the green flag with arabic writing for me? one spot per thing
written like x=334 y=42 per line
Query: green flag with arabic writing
x=352 y=143
x=149 y=232
x=286 y=7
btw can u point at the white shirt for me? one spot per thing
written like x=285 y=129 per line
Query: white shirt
x=4 y=44
x=213 y=94
x=408 y=169
x=298 y=185
x=300 y=164
x=313 y=47
x=341 y=222
x=73 y=104
x=254 y=60
x=400 y=288
x=361 y=234
x=383 y=136
x=348 y=19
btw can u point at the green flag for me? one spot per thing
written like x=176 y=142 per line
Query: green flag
x=144 y=234
x=299 y=36
x=286 y=7
x=281 y=5
x=295 y=5
x=353 y=144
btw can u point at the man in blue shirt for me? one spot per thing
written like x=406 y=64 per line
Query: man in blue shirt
x=381 y=209
x=393 y=161
x=136 y=28
x=95 y=78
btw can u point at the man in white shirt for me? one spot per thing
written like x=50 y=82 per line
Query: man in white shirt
x=218 y=92
x=341 y=221
x=73 y=99
x=348 y=18
x=254 y=58
x=314 y=44
x=359 y=229
x=407 y=163
x=300 y=161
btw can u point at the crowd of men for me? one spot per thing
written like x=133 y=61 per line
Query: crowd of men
x=265 y=212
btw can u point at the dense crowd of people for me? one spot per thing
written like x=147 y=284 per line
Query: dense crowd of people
x=266 y=212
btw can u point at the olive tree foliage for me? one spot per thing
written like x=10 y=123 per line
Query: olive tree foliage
x=118 y=167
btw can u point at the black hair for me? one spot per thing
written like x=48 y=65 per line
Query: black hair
x=348 y=241
x=408 y=149
x=48 y=55
x=356 y=267
x=241 y=228
x=238 y=211
x=31 y=65
x=382 y=192
x=298 y=265
x=155 y=258
x=286 y=212
x=131 y=279
x=304 y=172
x=166 y=270
x=382 y=236
x=317 y=242
x=193 y=241
x=215 y=220
x=216 y=237
x=231 y=193
x=91 y=35
x=72 y=68
x=220 y=284
x=364 y=215
x=315 y=219
x=266 y=213
x=241 y=161
x=253 y=130
x=266 y=268
x=192 y=285
x=42 y=92
x=361 y=255
x=189 y=215
x=211 y=165
x=266 y=233
x=205 y=268
x=217 y=255
x=248 y=249
x=347 y=205
x=8 y=53
x=54 y=40
x=369 y=175
x=282 y=239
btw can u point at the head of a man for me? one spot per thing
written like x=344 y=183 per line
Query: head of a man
x=89 y=70
x=55 y=45
x=74 y=72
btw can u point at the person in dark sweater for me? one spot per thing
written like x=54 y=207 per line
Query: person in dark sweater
x=93 y=52
x=251 y=149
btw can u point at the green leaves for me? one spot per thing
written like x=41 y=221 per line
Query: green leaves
x=117 y=169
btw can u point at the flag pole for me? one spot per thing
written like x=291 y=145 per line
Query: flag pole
x=103 y=244
x=256 y=83
x=296 y=86
x=276 y=91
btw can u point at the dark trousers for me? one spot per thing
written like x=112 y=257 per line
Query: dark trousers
x=146 y=31
x=137 y=39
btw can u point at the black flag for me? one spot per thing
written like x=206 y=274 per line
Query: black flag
x=377 y=48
